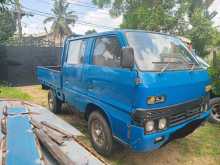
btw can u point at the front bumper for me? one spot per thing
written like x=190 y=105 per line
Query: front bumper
x=140 y=142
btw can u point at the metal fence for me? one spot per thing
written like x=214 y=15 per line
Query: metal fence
x=18 y=63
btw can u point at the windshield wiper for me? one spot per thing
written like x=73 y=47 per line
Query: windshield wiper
x=164 y=68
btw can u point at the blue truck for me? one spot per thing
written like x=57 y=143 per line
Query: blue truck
x=142 y=89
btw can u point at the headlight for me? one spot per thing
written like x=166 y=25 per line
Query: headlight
x=149 y=126
x=162 y=123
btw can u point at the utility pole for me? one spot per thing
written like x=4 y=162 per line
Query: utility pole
x=19 y=15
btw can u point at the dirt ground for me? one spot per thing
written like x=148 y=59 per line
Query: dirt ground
x=175 y=153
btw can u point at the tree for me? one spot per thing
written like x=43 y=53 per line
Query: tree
x=3 y=3
x=7 y=25
x=101 y=3
x=151 y=15
x=90 y=31
x=183 y=17
x=202 y=32
x=61 y=19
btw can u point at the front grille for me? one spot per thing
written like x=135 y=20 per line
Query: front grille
x=180 y=116
x=175 y=114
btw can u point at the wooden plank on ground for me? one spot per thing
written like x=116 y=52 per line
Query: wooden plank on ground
x=55 y=137
x=53 y=148
x=60 y=130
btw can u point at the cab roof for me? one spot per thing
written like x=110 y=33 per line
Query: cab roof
x=117 y=31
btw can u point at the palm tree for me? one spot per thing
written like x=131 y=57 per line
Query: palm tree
x=61 y=18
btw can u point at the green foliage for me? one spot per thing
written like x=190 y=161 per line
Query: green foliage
x=186 y=17
x=101 y=3
x=202 y=33
x=149 y=15
x=62 y=19
x=7 y=25
x=3 y=4
x=141 y=17
x=190 y=18
x=214 y=72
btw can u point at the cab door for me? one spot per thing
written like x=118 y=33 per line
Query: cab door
x=73 y=71
x=106 y=80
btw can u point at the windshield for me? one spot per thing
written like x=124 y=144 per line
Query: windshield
x=158 y=52
x=202 y=62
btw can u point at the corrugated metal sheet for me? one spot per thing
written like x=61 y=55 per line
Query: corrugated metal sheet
x=20 y=135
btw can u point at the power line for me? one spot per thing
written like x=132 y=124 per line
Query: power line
x=45 y=14
x=78 y=3
x=76 y=12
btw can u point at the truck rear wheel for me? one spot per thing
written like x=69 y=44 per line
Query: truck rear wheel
x=53 y=102
x=100 y=133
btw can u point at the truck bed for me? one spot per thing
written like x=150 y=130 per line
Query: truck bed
x=49 y=76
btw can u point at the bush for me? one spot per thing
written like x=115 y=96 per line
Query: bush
x=214 y=72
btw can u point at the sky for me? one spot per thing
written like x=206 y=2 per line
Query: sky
x=216 y=7
x=89 y=16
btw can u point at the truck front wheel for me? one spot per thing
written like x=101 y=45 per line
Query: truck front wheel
x=53 y=102
x=100 y=133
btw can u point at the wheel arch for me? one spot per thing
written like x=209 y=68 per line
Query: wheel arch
x=90 y=107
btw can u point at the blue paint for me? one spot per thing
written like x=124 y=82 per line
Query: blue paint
x=114 y=90
x=16 y=110
x=21 y=144
x=145 y=143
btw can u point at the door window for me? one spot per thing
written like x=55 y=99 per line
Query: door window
x=107 y=52
x=76 y=52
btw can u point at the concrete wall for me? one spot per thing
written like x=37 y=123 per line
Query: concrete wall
x=18 y=64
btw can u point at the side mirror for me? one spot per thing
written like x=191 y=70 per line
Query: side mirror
x=127 y=57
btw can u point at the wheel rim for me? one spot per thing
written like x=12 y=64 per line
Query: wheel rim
x=216 y=112
x=98 y=133
x=50 y=101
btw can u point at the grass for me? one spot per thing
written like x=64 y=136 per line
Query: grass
x=13 y=93
x=205 y=141
x=201 y=147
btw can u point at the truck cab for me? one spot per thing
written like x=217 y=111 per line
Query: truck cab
x=143 y=89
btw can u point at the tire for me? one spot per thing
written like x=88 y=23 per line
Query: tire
x=44 y=87
x=53 y=102
x=215 y=112
x=100 y=134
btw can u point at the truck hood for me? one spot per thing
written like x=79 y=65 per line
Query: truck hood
x=177 y=87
